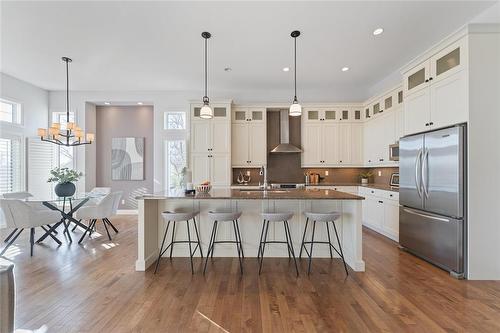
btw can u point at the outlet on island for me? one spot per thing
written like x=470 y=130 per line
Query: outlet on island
x=326 y=172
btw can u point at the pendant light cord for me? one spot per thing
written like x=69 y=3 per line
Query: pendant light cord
x=67 y=91
x=206 y=71
x=295 y=69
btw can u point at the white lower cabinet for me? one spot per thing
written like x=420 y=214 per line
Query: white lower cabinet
x=211 y=167
x=381 y=211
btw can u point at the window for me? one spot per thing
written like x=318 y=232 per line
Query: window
x=175 y=152
x=10 y=112
x=10 y=165
x=175 y=121
x=65 y=155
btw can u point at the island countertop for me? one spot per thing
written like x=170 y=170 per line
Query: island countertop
x=248 y=194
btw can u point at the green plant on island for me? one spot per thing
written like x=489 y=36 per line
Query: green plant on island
x=365 y=175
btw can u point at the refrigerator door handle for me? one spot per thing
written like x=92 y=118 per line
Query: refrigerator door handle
x=425 y=173
x=418 y=175
x=410 y=211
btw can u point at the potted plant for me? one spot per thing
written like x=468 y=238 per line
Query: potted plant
x=365 y=176
x=64 y=178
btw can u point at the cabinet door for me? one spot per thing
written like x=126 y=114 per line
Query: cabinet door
x=417 y=112
x=311 y=143
x=313 y=115
x=220 y=170
x=256 y=115
x=240 y=116
x=387 y=134
x=345 y=115
x=329 y=115
x=329 y=143
x=257 y=144
x=448 y=62
x=344 y=144
x=398 y=123
x=200 y=166
x=417 y=78
x=391 y=219
x=357 y=144
x=240 y=145
x=373 y=213
x=220 y=136
x=200 y=136
x=369 y=142
x=449 y=100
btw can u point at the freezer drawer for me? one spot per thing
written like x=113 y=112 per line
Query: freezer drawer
x=435 y=238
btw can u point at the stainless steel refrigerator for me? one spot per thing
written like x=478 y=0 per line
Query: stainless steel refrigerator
x=432 y=197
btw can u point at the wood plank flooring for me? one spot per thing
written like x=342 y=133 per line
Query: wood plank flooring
x=94 y=288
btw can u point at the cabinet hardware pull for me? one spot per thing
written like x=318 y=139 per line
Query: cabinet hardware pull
x=381 y=159
x=427 y=124
x=430 y=79
x=431 y=123
x=427 y=80
x=380 y=201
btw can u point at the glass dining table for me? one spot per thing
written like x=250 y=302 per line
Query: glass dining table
x=67 y=206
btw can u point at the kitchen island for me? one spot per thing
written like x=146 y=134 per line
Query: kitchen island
x=252 y=203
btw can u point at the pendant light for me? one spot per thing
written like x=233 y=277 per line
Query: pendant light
x=206 y=111
x=295 y=108
x=72 y=135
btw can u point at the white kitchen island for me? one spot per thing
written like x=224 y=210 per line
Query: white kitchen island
x=251 y=203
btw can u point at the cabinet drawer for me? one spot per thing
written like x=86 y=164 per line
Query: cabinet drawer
x=391 y=195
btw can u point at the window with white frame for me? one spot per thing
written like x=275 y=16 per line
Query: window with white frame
x=10 y=112
x=65 y=155
x=11 y=147
x=175 y=148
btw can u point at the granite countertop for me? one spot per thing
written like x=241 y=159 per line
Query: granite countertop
x=281 y=194
x=385 y=187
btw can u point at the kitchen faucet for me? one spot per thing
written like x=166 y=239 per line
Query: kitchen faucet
x=263 y=172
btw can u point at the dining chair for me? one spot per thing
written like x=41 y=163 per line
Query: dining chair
x=100 y=192
x=101 y=211
x=18 y=215
x=23 y=195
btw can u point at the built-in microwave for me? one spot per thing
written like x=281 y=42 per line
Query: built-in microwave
x=394 y=152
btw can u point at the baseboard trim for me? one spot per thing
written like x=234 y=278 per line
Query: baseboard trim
x=127 y=212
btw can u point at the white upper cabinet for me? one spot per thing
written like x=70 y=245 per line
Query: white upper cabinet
x=249 y=143
x=357 y=144
x=344 y=146
x=436 y=90
x=210 y=158
x=321 y=115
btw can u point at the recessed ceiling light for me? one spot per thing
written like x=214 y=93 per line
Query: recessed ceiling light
x=228 y=69
x=107 y=103
x=345 y=69
x=378 y=31
x=139 y=103
x=286 y=69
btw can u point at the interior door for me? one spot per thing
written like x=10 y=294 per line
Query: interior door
x=442 y=172
x=411 y=150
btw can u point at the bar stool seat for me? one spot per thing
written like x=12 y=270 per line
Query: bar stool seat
x=323 y=217
x=179 y=216
x=327 y=218
x=174 y=217
x=225 y=216
x=276 y=217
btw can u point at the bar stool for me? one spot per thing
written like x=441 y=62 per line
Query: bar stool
x=322 y=217
x=225 y=216
x=177 y=217
x=276 y=217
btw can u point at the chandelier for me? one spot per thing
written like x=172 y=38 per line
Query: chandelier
x=72 y=135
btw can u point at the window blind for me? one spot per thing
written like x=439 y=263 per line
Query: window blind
x=42 y=157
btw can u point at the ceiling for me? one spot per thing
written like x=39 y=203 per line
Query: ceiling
x=139 y=46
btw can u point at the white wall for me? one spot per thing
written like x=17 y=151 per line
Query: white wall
x=161 y=100
x=34 y=102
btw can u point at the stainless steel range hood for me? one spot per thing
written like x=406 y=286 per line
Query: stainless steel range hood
x=285 y=146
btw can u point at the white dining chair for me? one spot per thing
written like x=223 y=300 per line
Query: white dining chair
x=100 y=193
x=23 y=195
x=19 y=215
x=102 y=211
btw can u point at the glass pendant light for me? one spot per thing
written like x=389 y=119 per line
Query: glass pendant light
x=206 y=111
x=295 y=108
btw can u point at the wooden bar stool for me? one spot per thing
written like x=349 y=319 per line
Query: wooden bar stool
x=177 y=217
x=276 y=217
x=322 y=217
x=225 y=216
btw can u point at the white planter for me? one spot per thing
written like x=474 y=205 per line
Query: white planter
x=364 y=180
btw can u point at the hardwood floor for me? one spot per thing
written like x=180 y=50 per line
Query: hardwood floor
x=94 y=288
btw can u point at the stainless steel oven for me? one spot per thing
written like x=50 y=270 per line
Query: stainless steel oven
x=394 y=152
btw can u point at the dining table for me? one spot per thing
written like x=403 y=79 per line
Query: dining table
x=67 y=206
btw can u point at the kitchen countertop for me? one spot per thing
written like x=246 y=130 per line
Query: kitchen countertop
x=280 y=194
x=384 y=187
